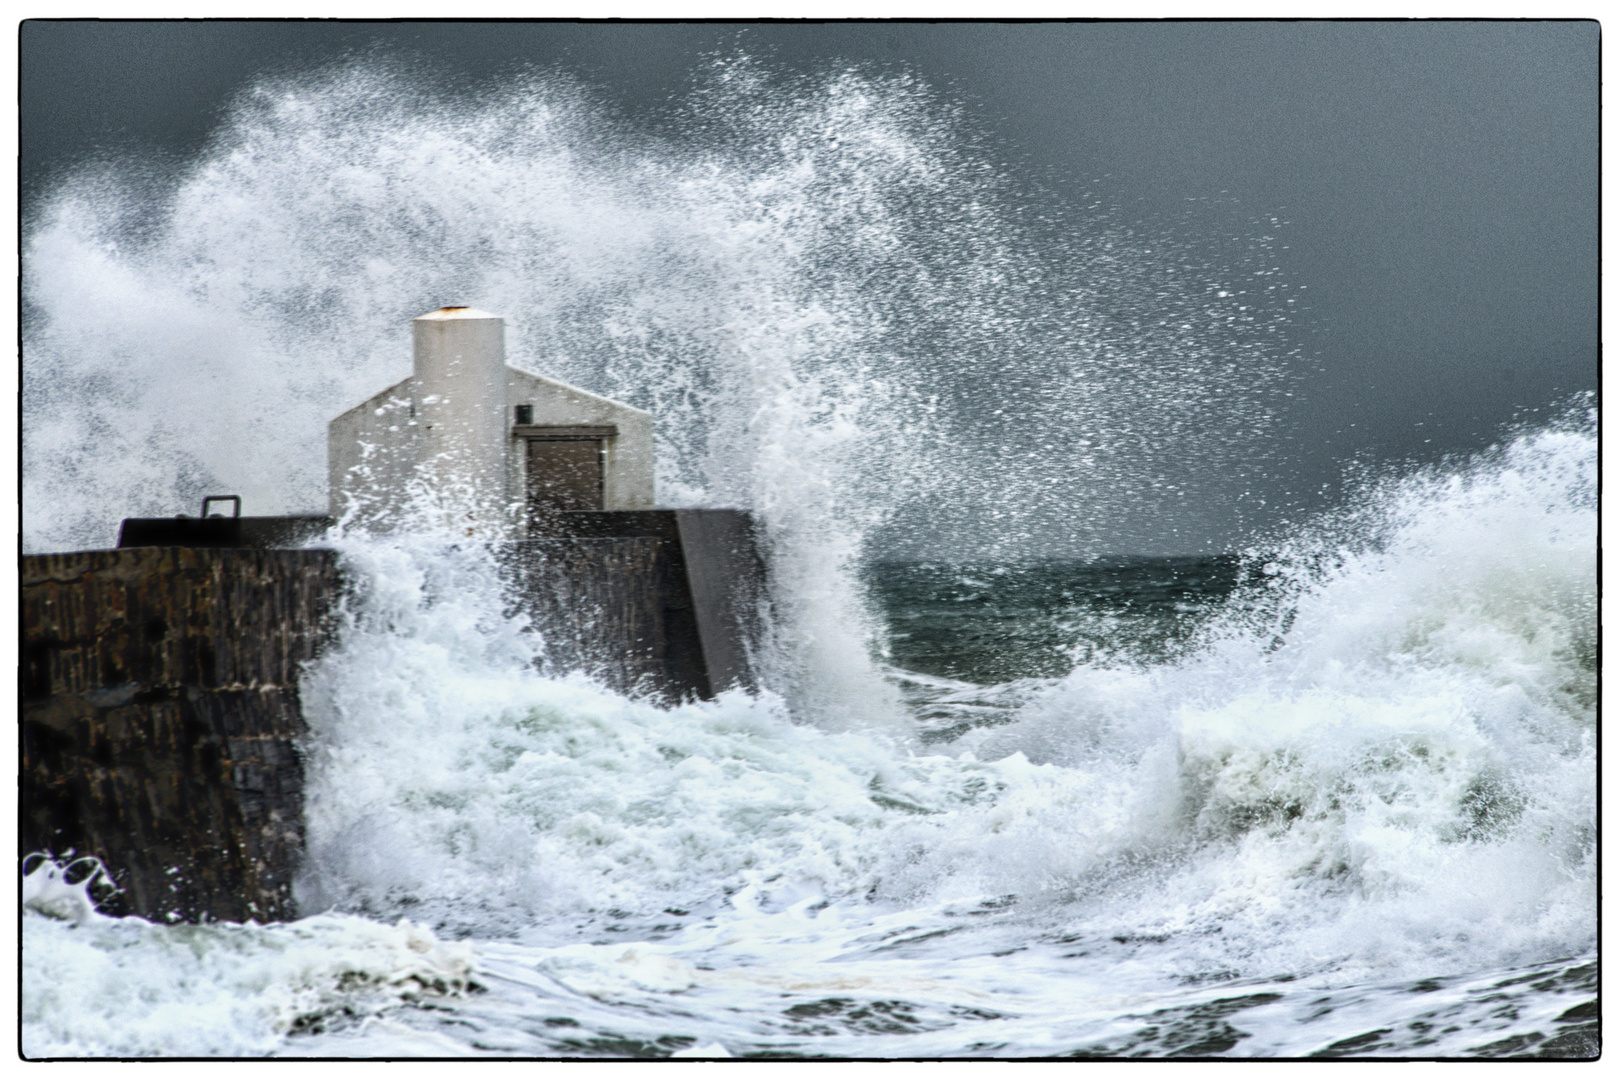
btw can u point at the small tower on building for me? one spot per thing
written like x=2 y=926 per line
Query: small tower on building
x=481 y=446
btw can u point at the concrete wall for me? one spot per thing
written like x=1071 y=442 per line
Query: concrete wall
x=290 y=531
x=629 y=473
x=726 y=575
x=160 y=714
x=617 y=608
x=372 y=455
x=462 y=420
x=160 y=720
x=440 y=433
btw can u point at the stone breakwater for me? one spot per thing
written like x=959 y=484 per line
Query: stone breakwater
x=161 y=720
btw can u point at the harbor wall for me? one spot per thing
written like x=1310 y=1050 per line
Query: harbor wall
x=704 y=573
x=161 y=721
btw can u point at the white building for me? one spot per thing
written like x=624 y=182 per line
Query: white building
x=482 y=447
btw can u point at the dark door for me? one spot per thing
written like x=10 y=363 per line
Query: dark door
x=563 y=474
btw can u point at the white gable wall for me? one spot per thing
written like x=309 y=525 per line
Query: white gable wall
x=628 y=479
x=372 y=455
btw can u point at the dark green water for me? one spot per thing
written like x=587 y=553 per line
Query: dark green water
x=991 y=624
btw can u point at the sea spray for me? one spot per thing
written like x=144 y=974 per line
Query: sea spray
x=450 y=780
x=834 y=305
x=1430 y=771
x=1382 y=759
x=64 y=890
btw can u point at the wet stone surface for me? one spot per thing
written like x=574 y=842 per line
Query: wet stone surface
x=160 y=720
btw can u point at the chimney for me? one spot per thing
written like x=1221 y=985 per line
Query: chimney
x=460 y=358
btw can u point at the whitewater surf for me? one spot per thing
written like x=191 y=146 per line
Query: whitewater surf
x=1342 y=801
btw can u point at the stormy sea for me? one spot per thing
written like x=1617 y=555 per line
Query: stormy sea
x=1004 y=790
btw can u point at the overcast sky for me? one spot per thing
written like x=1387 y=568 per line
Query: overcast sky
x=1438 y=181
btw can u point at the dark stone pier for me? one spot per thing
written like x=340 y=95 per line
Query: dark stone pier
x=160 y=714
x=160 y=720
x=659 y=601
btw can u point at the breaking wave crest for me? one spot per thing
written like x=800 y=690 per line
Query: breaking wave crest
x=1381 y=759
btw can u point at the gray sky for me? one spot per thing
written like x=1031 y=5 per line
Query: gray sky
x=1438 y=181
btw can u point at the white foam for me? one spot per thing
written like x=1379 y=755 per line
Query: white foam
x=1390 y=768
x=63 y=890
x=130 y=988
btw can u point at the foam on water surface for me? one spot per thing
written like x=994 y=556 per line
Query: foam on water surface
x=130 y=988
x=1376 y=767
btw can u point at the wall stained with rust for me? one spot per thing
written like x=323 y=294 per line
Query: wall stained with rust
x=160 y=720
